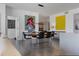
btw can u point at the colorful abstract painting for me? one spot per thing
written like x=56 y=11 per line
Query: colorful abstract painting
x=29 y=23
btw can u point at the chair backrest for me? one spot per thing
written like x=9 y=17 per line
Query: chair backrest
x=52 y=33
x=40 y=35
x=44 y=34
x=48 y=34
x=24 y=35
x=34 y=34
x=27 y=35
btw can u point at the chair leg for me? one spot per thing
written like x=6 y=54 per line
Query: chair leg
x=50 y=42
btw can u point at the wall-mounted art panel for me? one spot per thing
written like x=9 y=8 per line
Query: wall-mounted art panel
x=76 y=23
x=11 y=24
x=29 y=23
x=60 y=22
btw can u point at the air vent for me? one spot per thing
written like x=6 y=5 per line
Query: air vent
x=40 y=5
x=66 y=12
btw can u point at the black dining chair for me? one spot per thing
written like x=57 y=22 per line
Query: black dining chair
x=47 y=37
x=52 y=35
x=34 y=39
x=26 y=35
x=40 y=37
x=26 y=41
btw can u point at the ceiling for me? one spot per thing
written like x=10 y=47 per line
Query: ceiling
x=48 y=9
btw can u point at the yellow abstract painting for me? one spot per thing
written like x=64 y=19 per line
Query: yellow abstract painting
x=60 y=22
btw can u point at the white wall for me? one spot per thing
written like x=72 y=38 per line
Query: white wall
x=8 y=11
x=3 y=19
x=12 y=32
x=69 y=42
x=45 y=20
x=20 y=14
x=0 y=22
x=69 y=19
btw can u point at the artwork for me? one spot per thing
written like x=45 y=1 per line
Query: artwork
x=76 y=26
x=60 y=22
x=11 y=24
x=29 y=23
x=76 y=23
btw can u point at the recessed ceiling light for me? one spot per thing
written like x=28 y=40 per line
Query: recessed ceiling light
x=40 y=5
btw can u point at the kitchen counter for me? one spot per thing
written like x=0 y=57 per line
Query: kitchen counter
x=9 y=49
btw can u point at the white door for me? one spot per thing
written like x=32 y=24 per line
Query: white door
x=13 y=32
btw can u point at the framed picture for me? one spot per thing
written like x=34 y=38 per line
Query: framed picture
x=61 y=23
x=11 y=24
x=29 y=23
x=76 y=23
